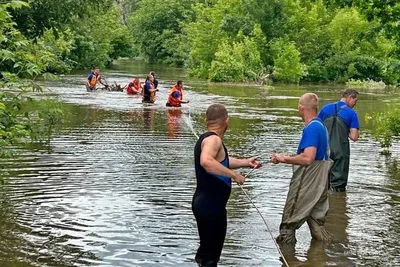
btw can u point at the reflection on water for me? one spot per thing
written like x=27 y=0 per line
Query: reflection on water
x=174 y=122
x=115 y=187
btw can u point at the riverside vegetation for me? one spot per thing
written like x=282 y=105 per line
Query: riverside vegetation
x=289 y=41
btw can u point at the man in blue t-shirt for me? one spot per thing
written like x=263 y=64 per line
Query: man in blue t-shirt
x=307 y=199
x=313 y=143
x=342 y=123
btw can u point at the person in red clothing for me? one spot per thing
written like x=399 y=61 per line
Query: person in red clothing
x=176 y=95
x=134 y=87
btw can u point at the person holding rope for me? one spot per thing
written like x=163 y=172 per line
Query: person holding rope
x=214 y=176
x=307 y=199
x=175 y=98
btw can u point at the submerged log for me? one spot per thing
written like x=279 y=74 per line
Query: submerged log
x=113 y=87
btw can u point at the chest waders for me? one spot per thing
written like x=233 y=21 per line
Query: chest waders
x=307 y=200
x=340 y=151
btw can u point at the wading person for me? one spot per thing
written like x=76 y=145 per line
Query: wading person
x=214 y=178
x=342 y=123
x=134 y=87
x=307 y=199
x=93 y=78
x=155 y=81
x=176 y=95
x=149 y=92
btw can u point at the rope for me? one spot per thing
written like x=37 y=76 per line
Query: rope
x=251 y=201
x=265 y=221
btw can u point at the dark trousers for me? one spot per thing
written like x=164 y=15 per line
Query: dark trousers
x=212 y=232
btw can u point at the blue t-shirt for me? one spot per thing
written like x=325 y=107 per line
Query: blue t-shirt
x=90 y=76
x=315 y=135
x=147 y=87
x=347 y=114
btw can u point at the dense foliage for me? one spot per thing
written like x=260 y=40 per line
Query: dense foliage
x=295 y=40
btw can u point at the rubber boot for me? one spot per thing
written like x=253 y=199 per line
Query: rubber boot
x=286 y=236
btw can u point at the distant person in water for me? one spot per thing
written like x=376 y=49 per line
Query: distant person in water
x=134 y=87
x=155 y=81
x=93 y=78
x=149 y=92
x=176 y=95
x=214 y=181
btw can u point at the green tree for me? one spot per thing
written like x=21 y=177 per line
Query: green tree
x=287 y=62
x=57 y=15
x=156 y=28
x=21 y=58
x=238 y=61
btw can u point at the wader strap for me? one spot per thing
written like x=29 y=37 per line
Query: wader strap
x=328 y=149
x=336 y=115
x=337 y=110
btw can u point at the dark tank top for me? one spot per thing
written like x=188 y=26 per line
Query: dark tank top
x=212 y=190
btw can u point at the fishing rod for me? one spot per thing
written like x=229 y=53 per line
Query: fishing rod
x=251 y=201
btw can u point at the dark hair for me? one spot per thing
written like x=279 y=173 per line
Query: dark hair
x=216 y=112
x=353 y=93
x=153 y=73
x=179 y=82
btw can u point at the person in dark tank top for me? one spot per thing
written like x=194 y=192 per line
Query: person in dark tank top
x=214 y=180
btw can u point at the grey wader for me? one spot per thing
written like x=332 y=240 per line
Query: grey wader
x=307 y=200
x=340 y=150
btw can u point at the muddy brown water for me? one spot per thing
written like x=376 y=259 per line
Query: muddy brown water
x=114 y=187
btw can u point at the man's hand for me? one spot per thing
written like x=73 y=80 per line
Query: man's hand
x=239 y=179
x=277 y=158
x=254 y=163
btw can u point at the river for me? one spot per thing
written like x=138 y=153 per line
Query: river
x=114 y=188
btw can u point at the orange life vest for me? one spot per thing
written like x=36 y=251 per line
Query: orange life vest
x=93 y=81
x=136 y=85
x=175 y=102
x=135 y=89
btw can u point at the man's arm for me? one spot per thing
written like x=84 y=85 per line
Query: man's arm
x=100 y=79
x=209 y=151
x=305 y=158
x=235 y=163
x=354 y=134
x=88 y=80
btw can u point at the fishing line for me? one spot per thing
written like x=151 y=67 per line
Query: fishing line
x=248 y=197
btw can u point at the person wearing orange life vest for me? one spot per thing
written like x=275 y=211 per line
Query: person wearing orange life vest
x=134 y=87
x=93 y=78
x=176 y=95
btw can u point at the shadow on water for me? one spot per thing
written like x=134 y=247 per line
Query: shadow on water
x=114 y=188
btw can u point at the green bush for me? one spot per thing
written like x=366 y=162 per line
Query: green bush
x=287 y=62
x=238 y=61
x=386 y=126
